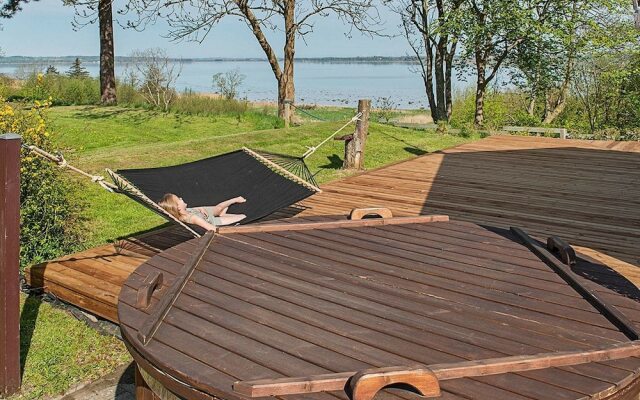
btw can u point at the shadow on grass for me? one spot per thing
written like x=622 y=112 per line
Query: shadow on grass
x=416 y=151
x=410 y=148
x=28 y=319
x=335 y=162
x=134 y=116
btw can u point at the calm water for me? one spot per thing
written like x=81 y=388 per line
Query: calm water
x=319 y=83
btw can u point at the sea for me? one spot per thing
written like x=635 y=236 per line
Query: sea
x=317 y=82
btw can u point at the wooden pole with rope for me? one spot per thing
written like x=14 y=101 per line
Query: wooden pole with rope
x=9 y=264
x=355 y=144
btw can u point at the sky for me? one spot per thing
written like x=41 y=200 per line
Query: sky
x=44 y=28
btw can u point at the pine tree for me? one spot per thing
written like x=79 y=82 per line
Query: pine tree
x=77 y=70
x=51 y=70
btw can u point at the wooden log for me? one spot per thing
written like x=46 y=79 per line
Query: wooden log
x=448 y=371
x=9 y=264
x=354 y=148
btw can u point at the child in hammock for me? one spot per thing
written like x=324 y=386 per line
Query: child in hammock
x=205 y=217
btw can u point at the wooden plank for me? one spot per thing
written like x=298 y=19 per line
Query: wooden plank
x=334 y=224
x=151 y=324
x=329 y=382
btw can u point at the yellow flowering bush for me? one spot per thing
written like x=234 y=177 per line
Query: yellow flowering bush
x=49 y=207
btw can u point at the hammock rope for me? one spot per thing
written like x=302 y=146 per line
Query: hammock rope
x=62 y=163
x=302 y=110
x=313 y=149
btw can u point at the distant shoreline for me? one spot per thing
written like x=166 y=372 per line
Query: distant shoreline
x=17 y=60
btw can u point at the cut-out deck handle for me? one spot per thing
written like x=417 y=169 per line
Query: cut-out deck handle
x=564 y=249
x=366 y=384
x=150 y=284
x=359 y=213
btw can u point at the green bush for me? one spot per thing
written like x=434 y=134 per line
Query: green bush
x=50 y=208
x=61 y=89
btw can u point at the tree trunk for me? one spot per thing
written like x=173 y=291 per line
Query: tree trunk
x=481 y=85
x=531 y=108
x=286 y=88
x=107 y=57
x=447 y=81
x=440 y=86
x=354 y=148
x=554 y=112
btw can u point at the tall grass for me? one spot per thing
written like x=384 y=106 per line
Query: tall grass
x=192 y=103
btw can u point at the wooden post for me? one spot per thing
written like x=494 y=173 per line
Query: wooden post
x=9 y=264
x=563 y=133
x=354 y=148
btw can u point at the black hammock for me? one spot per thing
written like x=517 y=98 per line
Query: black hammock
x=268 y=181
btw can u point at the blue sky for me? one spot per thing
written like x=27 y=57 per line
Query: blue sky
x=44 y=29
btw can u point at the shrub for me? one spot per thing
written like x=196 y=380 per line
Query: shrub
x=228 y=83
x=62 y=90
x=49 y=208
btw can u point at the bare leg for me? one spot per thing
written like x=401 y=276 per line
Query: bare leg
x=224 y=211
x=229 y=219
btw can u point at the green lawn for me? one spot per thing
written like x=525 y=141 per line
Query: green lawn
x=58 y=351
x=114 y=137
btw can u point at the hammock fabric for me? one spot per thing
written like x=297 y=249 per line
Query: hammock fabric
x=268 y=181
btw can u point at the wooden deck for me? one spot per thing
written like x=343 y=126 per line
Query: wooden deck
x=586 y=192
x=268 y=302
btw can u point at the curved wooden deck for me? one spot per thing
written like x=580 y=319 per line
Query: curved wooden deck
x=304 y=299
x=586 y=192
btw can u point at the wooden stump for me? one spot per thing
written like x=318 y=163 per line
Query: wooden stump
x=9 y=264
x=354 y=148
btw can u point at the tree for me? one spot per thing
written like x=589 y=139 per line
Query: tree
x=86 y=13
x=51 y=70
x=491 y=31
x=429 y=27
x=77 y=70
x=228 y=83
x=547 y=61
x=194 y=19
x=156 y=75
x=11 y=7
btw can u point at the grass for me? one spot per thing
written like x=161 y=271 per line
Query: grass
x=118 y=138
x=58 y=351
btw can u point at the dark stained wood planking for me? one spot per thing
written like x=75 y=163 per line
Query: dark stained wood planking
x=246 y=285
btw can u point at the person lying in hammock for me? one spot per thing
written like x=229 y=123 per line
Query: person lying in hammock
x=206 y=217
